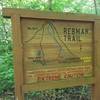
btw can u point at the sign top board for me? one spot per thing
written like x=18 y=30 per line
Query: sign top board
x=8 y=12
x=52 y=49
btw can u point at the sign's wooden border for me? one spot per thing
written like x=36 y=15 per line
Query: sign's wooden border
x=16 y=15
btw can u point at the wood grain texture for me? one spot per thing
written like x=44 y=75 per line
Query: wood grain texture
x=8 y=12
x=18 y=56
x=55 y=84
x=96 y=92
x=23 y=24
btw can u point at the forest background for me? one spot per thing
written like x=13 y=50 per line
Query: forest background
x=6 y=55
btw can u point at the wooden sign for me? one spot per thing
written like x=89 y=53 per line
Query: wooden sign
x=54 y=50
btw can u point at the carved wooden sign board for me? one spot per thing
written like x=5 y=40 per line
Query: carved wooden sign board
x=54 y=50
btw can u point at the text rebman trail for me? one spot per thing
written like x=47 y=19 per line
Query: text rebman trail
x=74 y=34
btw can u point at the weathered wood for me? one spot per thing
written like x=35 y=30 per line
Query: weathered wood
x=8 y=12
x=54 y=84
x=96 y=92
x=29 y=62
x=18 y=56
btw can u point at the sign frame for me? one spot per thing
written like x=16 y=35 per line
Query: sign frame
x=20 y=87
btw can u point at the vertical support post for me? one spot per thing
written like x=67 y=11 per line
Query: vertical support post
x=97 y=60
x=18 y=56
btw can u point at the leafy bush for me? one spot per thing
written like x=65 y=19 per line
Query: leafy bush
x=6 y=73
x=6 y=57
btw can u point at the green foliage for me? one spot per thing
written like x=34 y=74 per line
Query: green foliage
x=76 y=93
x=76 y=6
x=6 y=65
x=6 y=73
x=6 y=56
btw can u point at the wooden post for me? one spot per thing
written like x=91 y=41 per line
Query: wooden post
x=21 y=87
x=18 y=61
x=96 y=92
